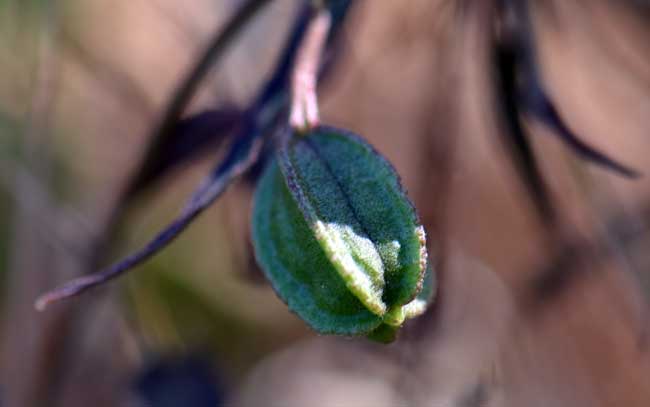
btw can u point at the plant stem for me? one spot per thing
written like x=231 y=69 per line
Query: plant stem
x=304 y=101
x=188 y=86
x=162 y=130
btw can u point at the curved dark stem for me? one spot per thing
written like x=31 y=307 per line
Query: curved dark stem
x=516 y=137
x=532 y=96
x=187 y=88
x=241 y=156
x=164 y=129
x=509 y=52
x=544 y=111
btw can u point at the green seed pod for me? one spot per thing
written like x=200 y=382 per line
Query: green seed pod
x=337 y=237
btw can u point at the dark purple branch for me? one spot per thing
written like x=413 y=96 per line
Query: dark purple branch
x=241 y=156
x=540 y=106
x=518 y=34
x=192 y=137
x=163 y=132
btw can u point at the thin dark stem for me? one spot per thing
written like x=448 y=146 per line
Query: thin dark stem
x=532 y=94
x=241 y=157
x=159 y=134
x=188 y=86
x=164 y=128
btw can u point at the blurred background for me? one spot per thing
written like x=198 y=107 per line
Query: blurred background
x=527 y=313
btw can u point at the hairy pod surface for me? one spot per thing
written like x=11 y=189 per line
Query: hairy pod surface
x=338 y=238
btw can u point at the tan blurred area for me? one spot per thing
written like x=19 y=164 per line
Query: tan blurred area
x=88 y=77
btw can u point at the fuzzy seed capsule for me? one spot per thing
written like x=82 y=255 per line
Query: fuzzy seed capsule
x=338 y=238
